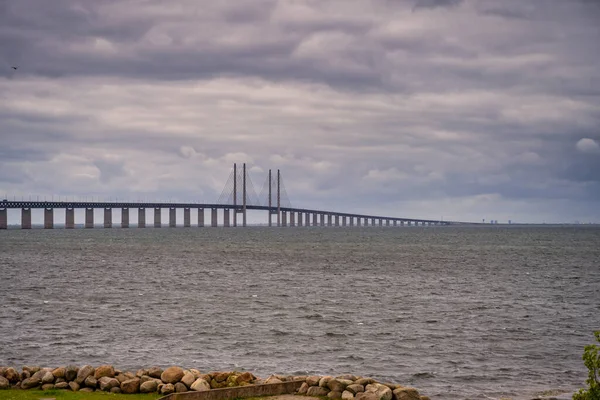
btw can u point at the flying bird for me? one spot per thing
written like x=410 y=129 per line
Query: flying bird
x=15 y=68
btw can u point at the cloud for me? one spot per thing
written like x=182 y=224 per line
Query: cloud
x=589 y=146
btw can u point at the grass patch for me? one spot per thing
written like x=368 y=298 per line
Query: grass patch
x=14 y=394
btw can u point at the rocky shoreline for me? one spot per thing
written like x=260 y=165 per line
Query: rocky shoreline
x=176 y=379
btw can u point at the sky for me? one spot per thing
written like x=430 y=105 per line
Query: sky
x=461 y=110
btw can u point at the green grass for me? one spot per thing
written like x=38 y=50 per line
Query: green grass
x=13 y=394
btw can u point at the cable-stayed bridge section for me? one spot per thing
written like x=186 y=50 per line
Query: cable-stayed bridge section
x=238 y=196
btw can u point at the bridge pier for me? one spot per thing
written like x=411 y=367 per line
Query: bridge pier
x=124 y=217
x=157 y=215
x=337 y=220
x=25 y=218
x=381 y=222
x=48 y=218
x=213 y=220
x=283 y=218
x=226 y=218
x=3 y=218
x=314 y=220
x=351 y=221
x=108 y=217
x=70 y=218
x=344 y=220
x=201 y=218
x=141 y=218
x=299 y=218
x=358 y=221
x=387 y=222
x=329 y=219
x=395 y=222
x=186 y=218
x=172 y=217
x=292 y=218
x=270 y=218
x=89 y=218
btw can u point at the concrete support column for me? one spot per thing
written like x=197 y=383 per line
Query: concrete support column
x=299 y=218
x=329 y=219
x=401 y=223
x=381 y=222
x=108 y=217
x=358 y=221
x=70 y=218
x=157 y=222
x=213 y=219
x=306 y=219
x=3 y=218
x=172 y=217
x=124 y=217
x=186 y=218
x=226 y=218
x=89 y=218
x=351 y=221
x=48 y=218
x=141 y=217
x=314 y=220
x=25 y=218
x=344 y=220
x=283 y=218
x=292 y=218
x=337 y=220
x=395 y=222
x=200 y=217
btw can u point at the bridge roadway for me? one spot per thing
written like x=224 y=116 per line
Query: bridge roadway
x=286 y=216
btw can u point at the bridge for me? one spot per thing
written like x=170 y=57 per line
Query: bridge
x=237 y=198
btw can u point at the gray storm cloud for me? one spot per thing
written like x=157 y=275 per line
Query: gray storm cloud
x=467 y=109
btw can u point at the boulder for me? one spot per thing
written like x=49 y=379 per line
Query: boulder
x=347 y=377
x=31 y=370
x=12 y=375
x=149 y=386
x=364 y=381
x=115 y=390
x=381 y=391
x=167 y=388
x=74 y=386
x=187 y=379
x=86 y=390
x=273 y=379
x=425 y=398
x=200 y=385
x=47 y=386
x=38 y=375
x=317 y=391
x=59 y=372
x=355 y=388
x=141 y=372
x=59 y=380
x=303 y=388
x=366 y=396
x=61 y=385
x=30 y=383
x=214 y=384
x=180 y=387
x=313 y=380
x=145 y=378
x=406 y=393
x=172 y=375
x=129 y=375
x=4 y=383
x=347 y=395
x=25 y=375
x=106 y=383
x=47 y=377
x=90 y=381
x=336 y=385
x=222 y=376
x=122 y=378
x=104 y=370
x=324 y=380
x=195 y=372
x=83 y=373
x=71 y=372
x=334 y=394
x=155 y=372
x=130 y=386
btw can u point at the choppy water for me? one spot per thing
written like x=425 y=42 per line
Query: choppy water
x=456 y=312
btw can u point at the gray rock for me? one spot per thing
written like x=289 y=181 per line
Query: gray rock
x=406 y=393
x=180 y=387
x=61 y=385
x=364 y=381
x=336 y=385
x=74 y=386
x=324 y=380
x=149 y=386
x=313 y=380
x=155 y=372
x=145 y=378
x=347 y=395
x=115 y=390
x=47 y=386
x=355 y=388
x=87 y=390
x=90 y=382
x=83 y=373
x=273 y=379
x=334 y=394
x=38 y=375
x=195 y=372
x=106 y=383
x=366 y=396
x=167 y=388
x=200 y=385
x=12 y=375
x=130 y=386
x=187 y=379
x=71 y=372
x=30 y=383
x=122 y=378
x=303 y=388
x=317 y=391
x=4 y=383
